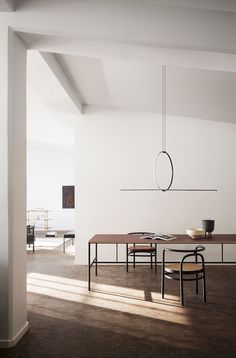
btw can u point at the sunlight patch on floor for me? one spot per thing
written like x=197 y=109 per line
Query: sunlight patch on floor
x=120 y=299
x=52 y=244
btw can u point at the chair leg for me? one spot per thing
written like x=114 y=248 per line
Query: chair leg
x=155 y=259
x=204 y=285
x=134 y=258
x=151 y=260
x=33 y=246
x=127 y=264
x=181 y=289
x=196 y=283
x=162 y=282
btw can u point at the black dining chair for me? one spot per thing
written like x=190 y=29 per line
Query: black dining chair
x=148 y=250
x=185 y=271
x=30 y=235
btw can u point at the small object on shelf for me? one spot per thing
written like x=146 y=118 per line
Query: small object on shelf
x=195 y=233
x=51 y=234
x=208 y=226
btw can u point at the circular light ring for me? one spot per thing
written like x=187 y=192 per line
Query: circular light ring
x=172 y=170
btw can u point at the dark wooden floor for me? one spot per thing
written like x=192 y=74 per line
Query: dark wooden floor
x=124 y=315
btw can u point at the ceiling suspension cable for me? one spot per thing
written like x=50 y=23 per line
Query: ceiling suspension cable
x=163 y=97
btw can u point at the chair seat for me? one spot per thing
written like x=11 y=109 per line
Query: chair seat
x=142 y=248
x=187 y=267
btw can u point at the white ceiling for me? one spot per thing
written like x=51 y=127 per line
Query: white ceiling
x=6 y=5
x=137 y=86
x=50 y=112
x=43 y=86
x=220 y=5
x=118 y=84
x=111 y=55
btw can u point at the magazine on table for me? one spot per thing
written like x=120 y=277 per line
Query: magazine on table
x=165 y=237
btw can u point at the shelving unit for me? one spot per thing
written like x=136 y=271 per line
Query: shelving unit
x=39 y=218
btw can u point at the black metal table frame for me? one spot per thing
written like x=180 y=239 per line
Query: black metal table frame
x=96 y=262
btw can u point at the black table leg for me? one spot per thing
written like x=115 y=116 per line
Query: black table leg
x=64 y=244
x=116 y=252
x=127 y=267
x=89 y=266
x=96 y=258
x=155 y=258
x=134 y=258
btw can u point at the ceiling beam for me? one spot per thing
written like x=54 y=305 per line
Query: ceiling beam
x=63 y=79
x=177 y=57
x=6 y=5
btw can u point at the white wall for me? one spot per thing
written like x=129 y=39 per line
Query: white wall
x=48 y=169
x=116 y=149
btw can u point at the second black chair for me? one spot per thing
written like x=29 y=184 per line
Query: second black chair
x=185 y=271
x=135 y=250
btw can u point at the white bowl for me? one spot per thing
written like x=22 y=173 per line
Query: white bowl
x=195 y=233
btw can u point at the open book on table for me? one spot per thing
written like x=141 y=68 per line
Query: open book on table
x=165 y=237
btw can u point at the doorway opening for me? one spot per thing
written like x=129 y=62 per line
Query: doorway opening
x=50 y=164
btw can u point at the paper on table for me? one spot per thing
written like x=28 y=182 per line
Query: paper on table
x=165 y=237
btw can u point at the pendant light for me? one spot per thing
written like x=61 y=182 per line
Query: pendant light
x=163 y=152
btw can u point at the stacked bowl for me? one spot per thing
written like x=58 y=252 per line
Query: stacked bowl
x=195 y=233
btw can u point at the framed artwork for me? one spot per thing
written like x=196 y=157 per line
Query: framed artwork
x=68 y=197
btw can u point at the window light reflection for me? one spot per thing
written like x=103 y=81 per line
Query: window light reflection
x=121 y=299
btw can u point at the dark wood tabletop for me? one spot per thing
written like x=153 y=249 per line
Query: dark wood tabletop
x=181 y=239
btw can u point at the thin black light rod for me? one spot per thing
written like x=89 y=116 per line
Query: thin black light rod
x=163 y=85
x=139 y=189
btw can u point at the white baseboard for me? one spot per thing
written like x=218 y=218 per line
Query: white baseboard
x=8 y=343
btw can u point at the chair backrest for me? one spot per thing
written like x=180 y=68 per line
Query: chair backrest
x=30 y=234
x=30 y=229
x=196 y=252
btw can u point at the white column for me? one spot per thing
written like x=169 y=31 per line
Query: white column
x=13 y=309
